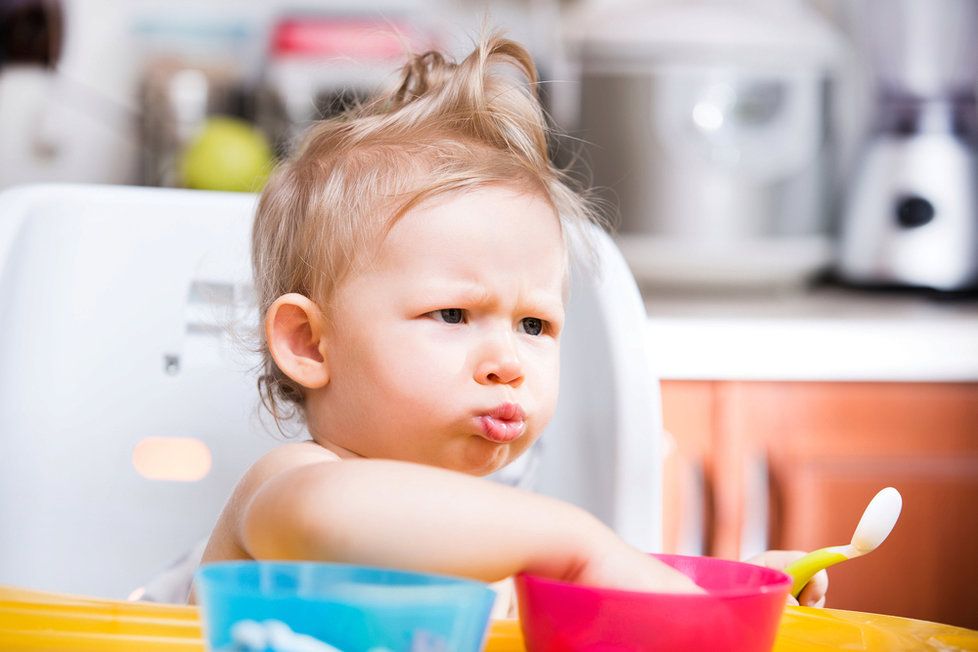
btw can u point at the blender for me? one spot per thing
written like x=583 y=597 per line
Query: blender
x=910 y=216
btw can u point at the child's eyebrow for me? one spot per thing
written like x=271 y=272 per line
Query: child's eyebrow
x=550 y=307
x=479 y=295
x=471 y=293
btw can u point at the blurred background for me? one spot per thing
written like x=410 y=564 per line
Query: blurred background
x=745 y=144
x=792 y=183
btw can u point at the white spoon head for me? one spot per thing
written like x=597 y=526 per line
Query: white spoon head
x=878 y=520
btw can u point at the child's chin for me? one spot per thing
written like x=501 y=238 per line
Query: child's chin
x=474 y=469
x=482 y=467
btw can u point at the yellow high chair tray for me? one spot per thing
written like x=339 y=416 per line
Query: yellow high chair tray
x=35 y=620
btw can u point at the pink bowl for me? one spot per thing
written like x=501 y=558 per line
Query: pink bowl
x=740 y=612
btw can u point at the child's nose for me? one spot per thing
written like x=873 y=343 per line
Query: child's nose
x=499 y=364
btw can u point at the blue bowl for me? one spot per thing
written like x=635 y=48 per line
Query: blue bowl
x=352 y=608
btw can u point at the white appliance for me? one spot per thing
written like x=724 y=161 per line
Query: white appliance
x=73 y=119
x=911 y=211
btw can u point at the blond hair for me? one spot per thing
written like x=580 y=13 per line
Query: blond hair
x=446 y=127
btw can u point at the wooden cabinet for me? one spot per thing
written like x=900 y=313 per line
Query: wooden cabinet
x=821 y=451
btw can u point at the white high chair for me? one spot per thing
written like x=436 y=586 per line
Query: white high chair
x=127 y=412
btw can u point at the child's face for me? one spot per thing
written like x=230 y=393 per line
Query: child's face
x=444 y=350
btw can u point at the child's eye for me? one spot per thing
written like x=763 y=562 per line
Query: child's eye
x=449 y=315
x=532 y=325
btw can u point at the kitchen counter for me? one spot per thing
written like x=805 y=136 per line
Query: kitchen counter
x=825 y=334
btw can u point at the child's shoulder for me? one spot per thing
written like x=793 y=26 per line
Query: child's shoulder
x=278 y=460
x=288 y=456
x=225 y=540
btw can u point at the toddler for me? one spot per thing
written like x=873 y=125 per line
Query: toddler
x=411 y=268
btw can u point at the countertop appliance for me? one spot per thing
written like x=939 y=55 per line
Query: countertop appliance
x=710 y=132
x=911 y=213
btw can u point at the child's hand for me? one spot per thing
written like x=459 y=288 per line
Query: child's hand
x=616 y=565
x=813 y=595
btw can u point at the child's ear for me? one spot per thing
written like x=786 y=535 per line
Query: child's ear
x=294 y=329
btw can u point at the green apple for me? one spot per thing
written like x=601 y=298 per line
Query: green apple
x=226 y=154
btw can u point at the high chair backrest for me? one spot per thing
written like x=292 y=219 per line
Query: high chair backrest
x=128 y=409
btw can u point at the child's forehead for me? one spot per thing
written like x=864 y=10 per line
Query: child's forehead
x=501 y=219
x=491 y=200
x=469 y=234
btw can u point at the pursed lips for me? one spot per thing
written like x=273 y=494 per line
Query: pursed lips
x=502 y=424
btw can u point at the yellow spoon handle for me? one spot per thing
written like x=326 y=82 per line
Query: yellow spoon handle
x=802 y=570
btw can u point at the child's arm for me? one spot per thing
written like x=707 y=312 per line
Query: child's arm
x=423 y=518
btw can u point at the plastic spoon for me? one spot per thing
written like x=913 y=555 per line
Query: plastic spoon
x=876 y=524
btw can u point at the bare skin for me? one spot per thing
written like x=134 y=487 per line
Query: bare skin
x=292 y=513
x=438 y=364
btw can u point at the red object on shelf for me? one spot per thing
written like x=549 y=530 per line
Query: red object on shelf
x=354 y=38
